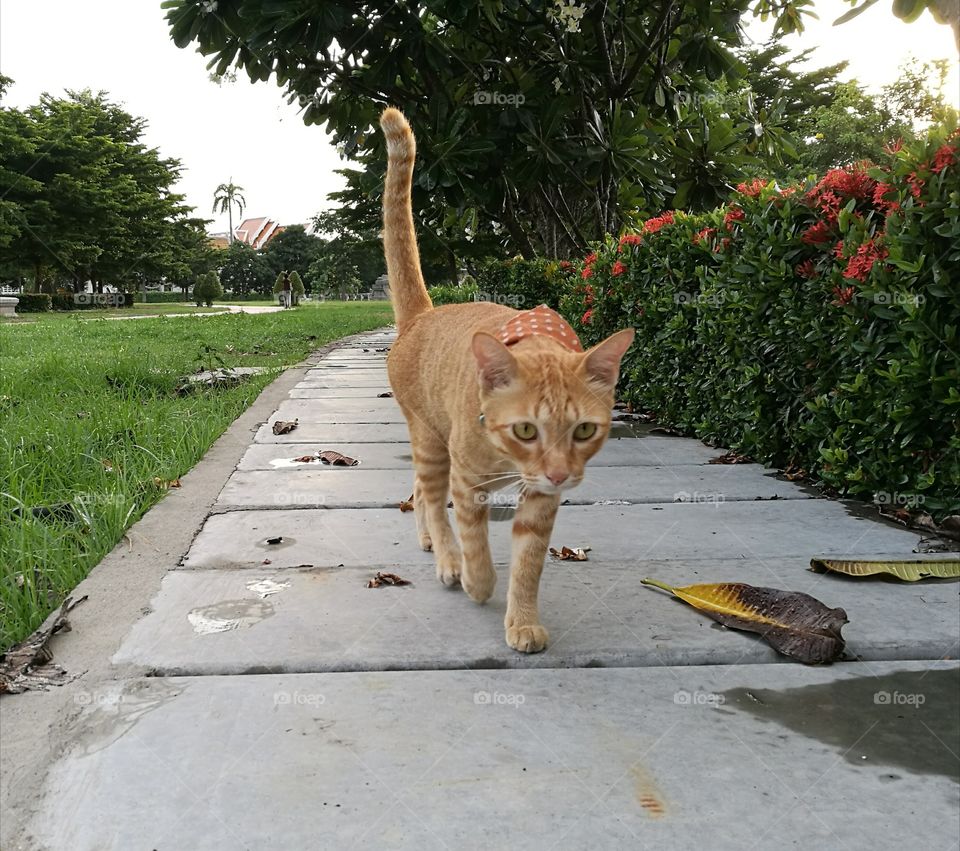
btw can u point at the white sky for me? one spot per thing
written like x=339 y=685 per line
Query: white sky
x=249 y=132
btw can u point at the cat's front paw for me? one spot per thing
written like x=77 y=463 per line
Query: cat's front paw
x=448 y=568
x=529 y=638
x=478 y=581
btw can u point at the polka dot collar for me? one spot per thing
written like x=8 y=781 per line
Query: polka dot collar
x=543 y=322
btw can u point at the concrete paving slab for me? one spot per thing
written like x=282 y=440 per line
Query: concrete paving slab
x=324 y=433
x=363 y=537
x=334 y=379
x=650 y=450
x=372 y=391
x=752 y=756
x=599 y=615
x=312 y=485
x=341 y=411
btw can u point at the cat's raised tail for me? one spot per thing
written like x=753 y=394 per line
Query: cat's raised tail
x=407 y=290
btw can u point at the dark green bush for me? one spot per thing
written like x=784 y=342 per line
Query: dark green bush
x=453 y=293
x=817 y=326
x=524 y=284
x=33 y=302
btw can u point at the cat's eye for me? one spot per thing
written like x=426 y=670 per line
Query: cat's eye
x=585 y=431
x=525 y=431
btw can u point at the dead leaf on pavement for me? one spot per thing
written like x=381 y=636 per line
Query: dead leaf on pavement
x=407 y=504
x=337 y=459
x=908 y=571
x=792 y=623
x=386 y=395
x=731 y=458
x=387 y=579
x=570 y=554
x=306 y=459
x=281 y=427
x=276 y=540
x=27 y=665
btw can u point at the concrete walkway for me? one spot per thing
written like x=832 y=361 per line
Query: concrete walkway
x=266 y=698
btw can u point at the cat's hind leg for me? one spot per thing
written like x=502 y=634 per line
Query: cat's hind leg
x=470 y=504
x=431 y=463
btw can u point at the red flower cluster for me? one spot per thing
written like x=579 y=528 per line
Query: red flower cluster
x=859 y=266
x=734 y=214
x=817 y=233
x=945 y=157
x=844 y=295
x=565 y=265
x=588 y=297
x=850 y=182
x=630 y=239
x=916 y=185
x=588 y=262
x=752 y=189
x=805 y=269
x=700 y=236
x=617 y=269
x=880 y=200
x=585 y=319
x=658 y=222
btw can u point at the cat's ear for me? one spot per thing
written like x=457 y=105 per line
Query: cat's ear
x=495 y=363
x=602 y=362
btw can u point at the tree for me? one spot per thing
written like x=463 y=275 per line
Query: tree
x=530 y=118
x=84 y=199
x=333 y=276
x=356 y=235
x=293 y=248
x=224 y=197
x=244 y=271
x=207 y=289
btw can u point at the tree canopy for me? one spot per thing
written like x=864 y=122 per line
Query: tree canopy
x=84 y=199
x=531 y=118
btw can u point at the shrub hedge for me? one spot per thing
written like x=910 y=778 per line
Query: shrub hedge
x=816 y=326
x=33 y=302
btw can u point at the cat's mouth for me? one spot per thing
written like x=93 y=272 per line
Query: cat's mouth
x=541 y=484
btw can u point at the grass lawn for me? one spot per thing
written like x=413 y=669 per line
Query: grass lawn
x=89 y=419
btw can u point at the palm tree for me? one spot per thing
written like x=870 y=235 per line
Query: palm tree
x=224 y=197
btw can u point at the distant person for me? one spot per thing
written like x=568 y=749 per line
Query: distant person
x=287 y=290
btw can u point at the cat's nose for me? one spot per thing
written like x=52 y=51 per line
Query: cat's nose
x=557 y=478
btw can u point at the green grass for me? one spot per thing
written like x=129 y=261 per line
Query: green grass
x=89 y=417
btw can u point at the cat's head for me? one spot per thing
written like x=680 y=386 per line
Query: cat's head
x=546 y=407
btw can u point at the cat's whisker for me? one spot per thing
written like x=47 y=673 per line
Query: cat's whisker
x=496 y=479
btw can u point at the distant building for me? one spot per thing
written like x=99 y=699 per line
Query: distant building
x=257 y=232
x=219 y=240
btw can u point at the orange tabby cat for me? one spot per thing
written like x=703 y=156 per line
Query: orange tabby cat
x=492 y=397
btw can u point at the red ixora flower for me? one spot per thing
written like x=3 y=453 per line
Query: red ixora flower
x=700 y=236
x=752 y=189
x=734 y=214
x=945 y=156
x=589 y=260
x=630 y=239
x=880 y=198
x=588 y=295
x=566 y=264
x=657 y=222
x=586 y=273
x=817 y=233
x=859 y=266
x=893 y=147
x=617 y=269
x=850 y=182
x=844 y=295
x=916 y=185
x=805 y=269
x=585 y=319
x=722 y=245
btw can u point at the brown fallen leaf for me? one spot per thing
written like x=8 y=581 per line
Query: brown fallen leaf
x=27 y=665
x=908 y=571
x=166 y=484
x=568 y=554
x=793 y=473
x=277 y=540
x=281 y=427
x=731 y=458
x=387 y=579
x=792 y=623
x=337 y=459
x=306 y=459
x=407 y=504
x=386 y=395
